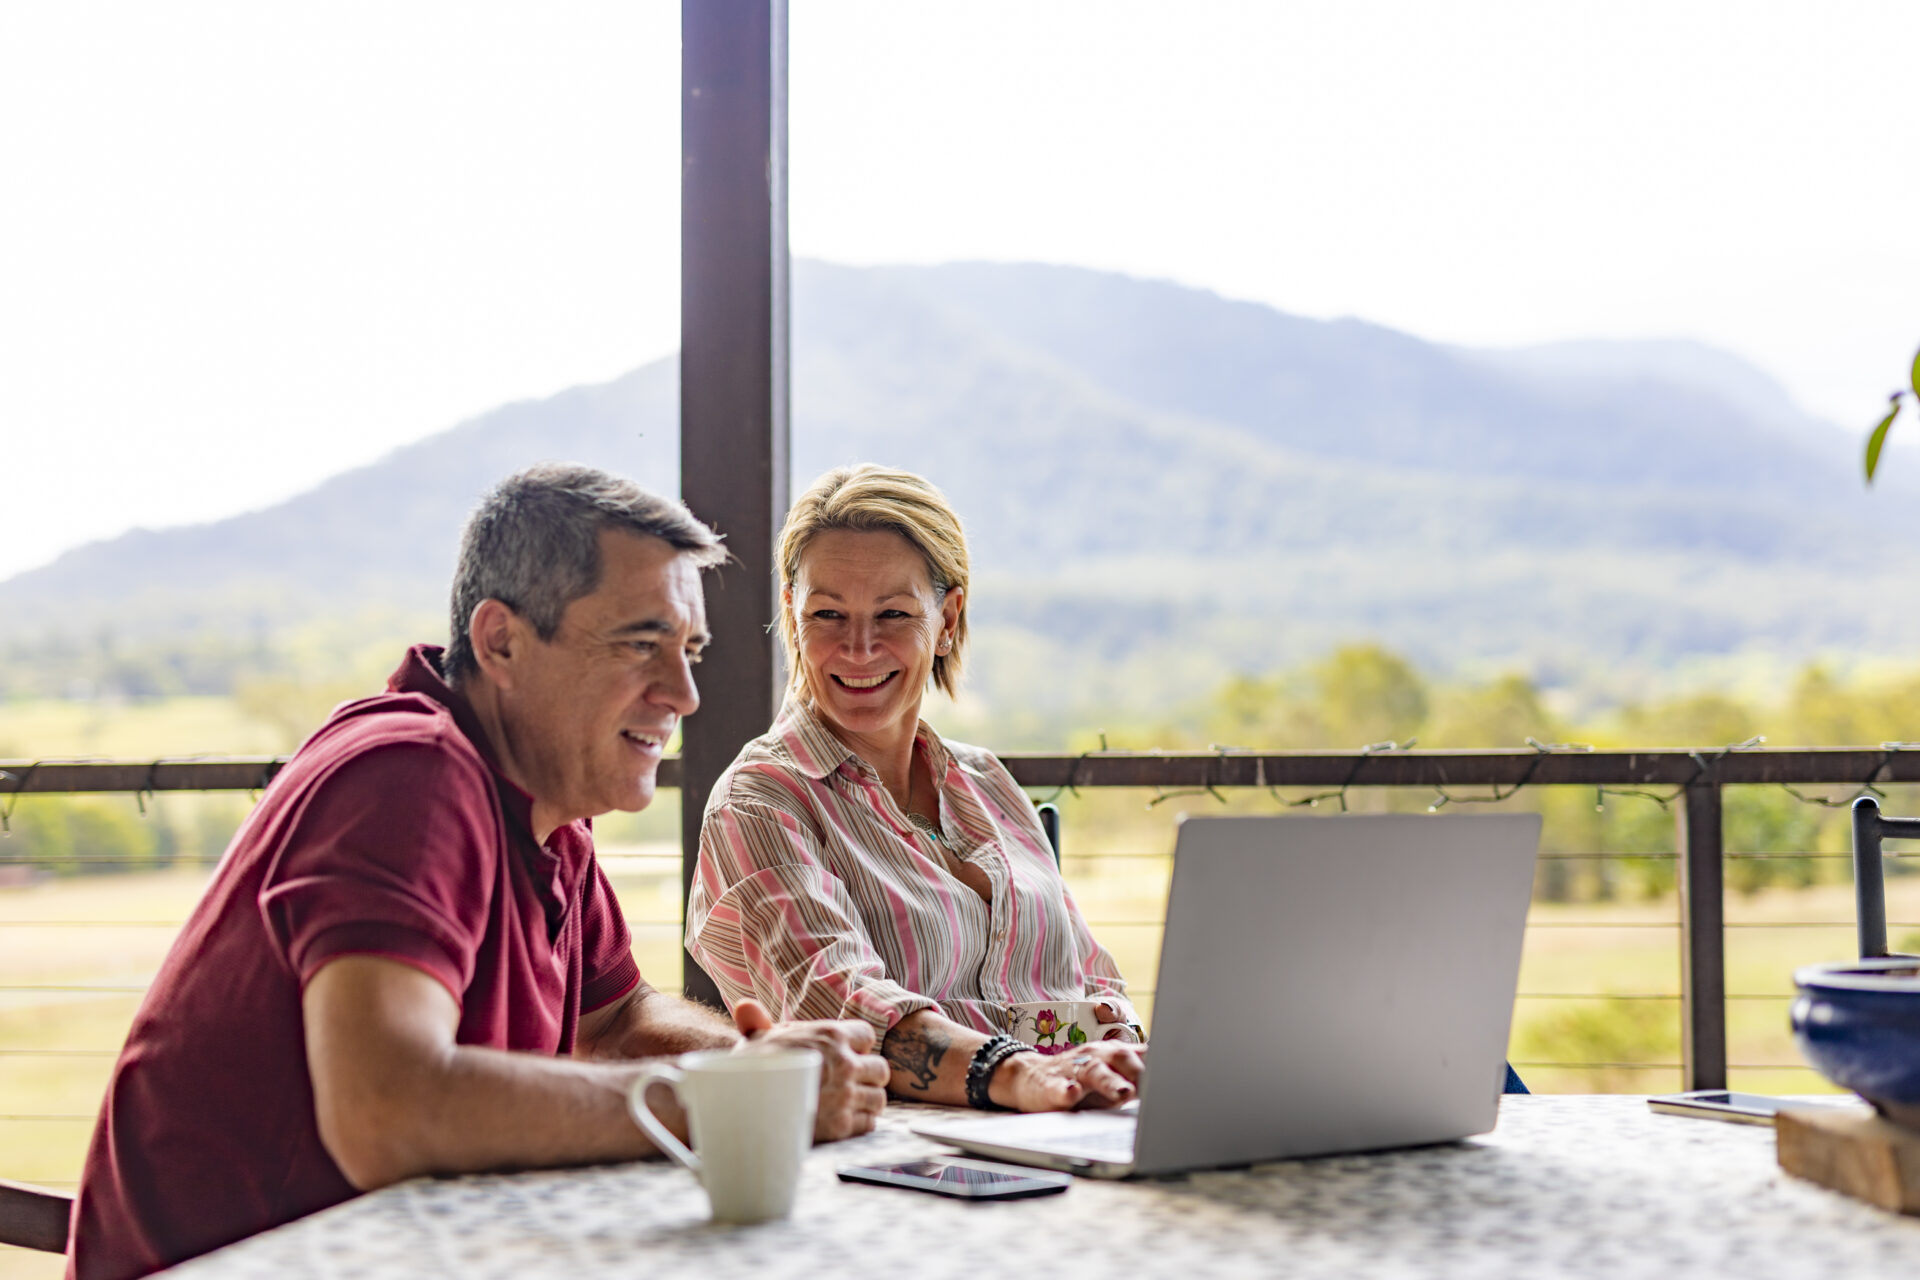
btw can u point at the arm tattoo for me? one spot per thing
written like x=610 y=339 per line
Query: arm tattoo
x=917 y=1053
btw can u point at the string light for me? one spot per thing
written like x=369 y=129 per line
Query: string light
x=15 y=784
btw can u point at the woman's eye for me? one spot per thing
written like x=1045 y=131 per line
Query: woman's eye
x=826 y=615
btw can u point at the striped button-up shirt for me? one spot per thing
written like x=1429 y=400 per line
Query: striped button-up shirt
x=816 y=895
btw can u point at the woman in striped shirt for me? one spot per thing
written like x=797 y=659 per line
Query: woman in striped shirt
x=854 y=864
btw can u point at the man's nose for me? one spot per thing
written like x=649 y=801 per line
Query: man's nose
x=678 y=690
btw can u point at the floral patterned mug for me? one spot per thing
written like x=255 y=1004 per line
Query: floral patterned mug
x=1056 y=1026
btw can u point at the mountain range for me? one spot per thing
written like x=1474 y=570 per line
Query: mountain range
x=1161 y=486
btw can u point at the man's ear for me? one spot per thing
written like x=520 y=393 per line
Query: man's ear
x=498 y=635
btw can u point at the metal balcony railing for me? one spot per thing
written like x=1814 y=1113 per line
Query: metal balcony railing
x=1690 y=781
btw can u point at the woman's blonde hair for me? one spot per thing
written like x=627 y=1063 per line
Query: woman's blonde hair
x=867 y=499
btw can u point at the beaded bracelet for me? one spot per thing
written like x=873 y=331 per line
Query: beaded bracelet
x=986 y=1060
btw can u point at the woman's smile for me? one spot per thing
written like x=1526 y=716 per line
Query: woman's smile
x=863 y=684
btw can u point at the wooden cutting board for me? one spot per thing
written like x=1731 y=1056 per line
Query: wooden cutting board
x=1857 y=1153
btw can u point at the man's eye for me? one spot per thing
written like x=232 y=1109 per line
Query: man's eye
x=645 y=648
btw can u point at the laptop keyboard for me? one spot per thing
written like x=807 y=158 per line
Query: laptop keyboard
x=1107 y=1144
x=1101 y=1138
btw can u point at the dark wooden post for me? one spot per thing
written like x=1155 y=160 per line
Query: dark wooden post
x=1703 y=962
x=733 y=369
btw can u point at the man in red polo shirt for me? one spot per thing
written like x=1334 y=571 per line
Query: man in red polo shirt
x=409 y=960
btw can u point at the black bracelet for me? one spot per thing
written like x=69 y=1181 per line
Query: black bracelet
x=986 y=1060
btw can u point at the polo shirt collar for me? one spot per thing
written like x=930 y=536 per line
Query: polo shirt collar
x=420 y=673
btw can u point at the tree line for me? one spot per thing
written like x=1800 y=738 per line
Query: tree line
x=1365 y=694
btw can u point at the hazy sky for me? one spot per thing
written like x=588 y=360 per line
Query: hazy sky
x=244 y=246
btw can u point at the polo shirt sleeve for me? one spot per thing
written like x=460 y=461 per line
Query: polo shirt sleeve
x=395 y=855
x=606 y=945
x=768 y=919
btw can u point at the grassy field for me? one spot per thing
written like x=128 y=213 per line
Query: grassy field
x=134 y=730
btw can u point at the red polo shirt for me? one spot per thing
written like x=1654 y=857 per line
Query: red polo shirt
x=390 y=833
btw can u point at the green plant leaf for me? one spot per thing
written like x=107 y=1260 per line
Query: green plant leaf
x=1878 y=439
x=1915 y=378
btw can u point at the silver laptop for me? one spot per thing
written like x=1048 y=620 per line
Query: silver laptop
x=1326 y=984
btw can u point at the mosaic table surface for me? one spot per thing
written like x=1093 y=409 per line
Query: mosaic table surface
x=1564 y=1186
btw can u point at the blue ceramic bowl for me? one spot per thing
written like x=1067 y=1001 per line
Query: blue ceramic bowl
x=1858 y=1023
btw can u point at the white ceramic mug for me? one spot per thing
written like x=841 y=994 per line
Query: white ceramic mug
x=750 y=1113
x=1056 y=1026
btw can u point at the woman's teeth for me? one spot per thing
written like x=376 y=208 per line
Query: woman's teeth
x=871 y=682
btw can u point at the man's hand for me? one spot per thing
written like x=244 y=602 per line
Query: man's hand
x=853 y=1079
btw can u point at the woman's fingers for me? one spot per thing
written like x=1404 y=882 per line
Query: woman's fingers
x=1128 y=1061
x=1105 y=1086
x=1107 y=1077
x=1098 y=1076
x=1045 y=1085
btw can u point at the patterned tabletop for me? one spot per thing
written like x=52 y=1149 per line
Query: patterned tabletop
x=1565 y=1186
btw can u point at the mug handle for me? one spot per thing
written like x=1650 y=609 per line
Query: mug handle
x=650 y=1124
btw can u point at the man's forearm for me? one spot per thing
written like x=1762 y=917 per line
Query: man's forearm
x=494 y=1109
x=395 y=1096
x=649 y=1024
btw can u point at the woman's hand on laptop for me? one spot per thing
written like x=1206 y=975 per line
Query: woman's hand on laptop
x=1105 y=1073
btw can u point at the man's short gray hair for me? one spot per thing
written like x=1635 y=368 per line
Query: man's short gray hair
x=533 y=544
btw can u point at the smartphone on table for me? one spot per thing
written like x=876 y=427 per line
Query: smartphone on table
x=1739 y=1108
x=962 y=1178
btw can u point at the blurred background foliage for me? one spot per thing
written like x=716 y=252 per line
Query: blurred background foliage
x=1350 y=697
